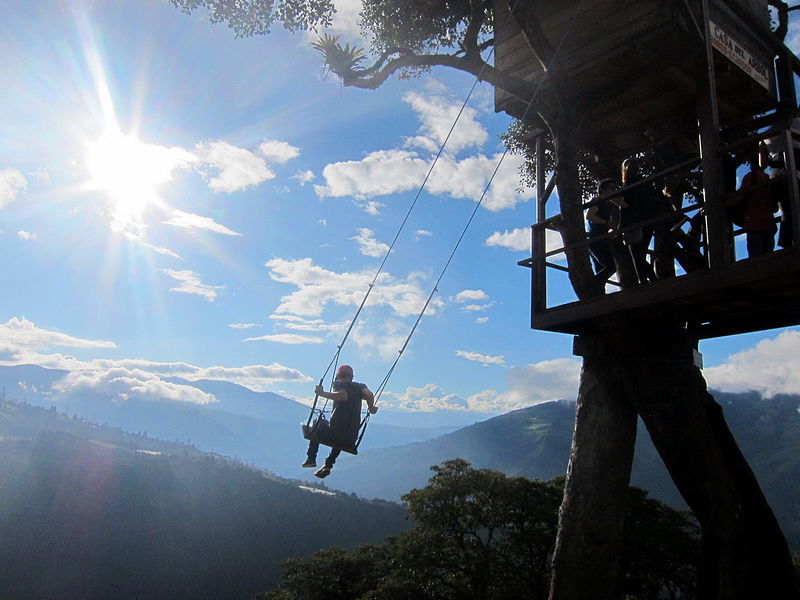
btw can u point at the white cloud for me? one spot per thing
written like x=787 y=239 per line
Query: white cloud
x=12 y=183
x=470 y=295
x=428 y=398
x=771 y=367
x=122 y=384
x=18 y=335
x=477 y=307
x=304 y=177
x=519 y=240
x=319 y=287
x=238 y=168
x=190 y=284
x=437 y=115
x=467 y=299
x=385 y=172
x=482 y=320
x=532 y=384
x=316 y=325
x=286 y=338
x=371 y=207
x=242 y=325
x=368 y=245
x=484 y=359
x=279 y=152
x=420 y=233
x=379 y=173
x=542 y=382
x=192 y=221
x=26 y=235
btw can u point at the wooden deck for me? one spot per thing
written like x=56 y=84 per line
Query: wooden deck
x=749 y=295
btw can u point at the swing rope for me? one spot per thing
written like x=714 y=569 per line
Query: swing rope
x=381 y=388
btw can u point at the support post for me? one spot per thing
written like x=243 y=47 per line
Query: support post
x=716 y=220
x=539 y=241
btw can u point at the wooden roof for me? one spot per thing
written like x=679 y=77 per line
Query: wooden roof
x=629 y=66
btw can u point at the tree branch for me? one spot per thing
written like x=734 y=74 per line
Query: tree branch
x=476 y=18
x=372 y=79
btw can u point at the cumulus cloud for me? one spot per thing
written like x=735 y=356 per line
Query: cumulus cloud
x=12 y=183
x=122 y=384
x=238 y=168
x=379 y=173
x=385 y=172
x=18 y=335
x=368 y=245
x=192 y=221
x=420 y=233
x=468 y=300
x=542 y=382
x=189 y=283
x=318 y=287
x=481 y=319
x=470 y=296
x=437 y=115
x=770 y=367
x=532 y=384
x=277 y=151
x=286 y=338
x=304 y=177
x=427 y=398
x=519 y=240
x=26 y=235
x=484 y=359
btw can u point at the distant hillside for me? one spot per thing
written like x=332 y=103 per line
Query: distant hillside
x=90 y=512
x=259 y=428
x=535 y=442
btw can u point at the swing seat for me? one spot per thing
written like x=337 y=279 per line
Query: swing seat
x=322 y=433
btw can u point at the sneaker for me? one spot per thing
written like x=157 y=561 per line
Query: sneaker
x=310 y=463
x=323 y=472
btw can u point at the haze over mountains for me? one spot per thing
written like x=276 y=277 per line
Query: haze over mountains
x=91 y=512
x=259 y=428
x=262 y=429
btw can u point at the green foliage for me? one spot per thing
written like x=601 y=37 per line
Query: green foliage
x=418 y=25
x=255 y=17
x=342 y=60
x=481 y=535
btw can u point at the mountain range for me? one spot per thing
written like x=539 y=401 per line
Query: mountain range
x=262 y=429
x=92 y=512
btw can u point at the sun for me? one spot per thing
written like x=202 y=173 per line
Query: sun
x=130 y=171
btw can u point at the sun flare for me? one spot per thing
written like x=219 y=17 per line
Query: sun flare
x=130 y=171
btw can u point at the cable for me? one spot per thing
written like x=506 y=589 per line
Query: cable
x=389 y=373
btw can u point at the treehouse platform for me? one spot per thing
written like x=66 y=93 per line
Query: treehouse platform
x=707 y=79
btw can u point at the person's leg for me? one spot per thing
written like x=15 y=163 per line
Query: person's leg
x=325 y=469
x=311 y=460
x=329 y=462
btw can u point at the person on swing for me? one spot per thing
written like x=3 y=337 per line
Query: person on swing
x=346 y=418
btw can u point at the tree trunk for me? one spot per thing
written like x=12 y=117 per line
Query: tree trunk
x=591 y=515
x=648 y=366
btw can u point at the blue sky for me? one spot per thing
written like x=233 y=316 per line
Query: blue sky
x=174 y=201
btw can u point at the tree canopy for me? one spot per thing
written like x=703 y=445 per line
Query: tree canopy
x=479 y=534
